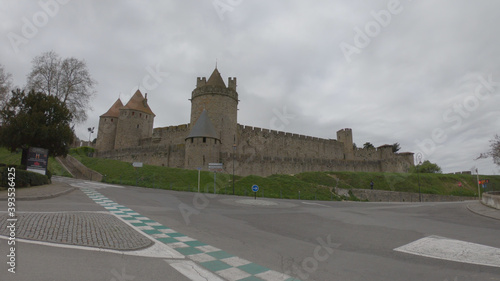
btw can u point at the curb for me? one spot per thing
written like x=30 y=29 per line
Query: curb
x=479 y=213
x=41 y=197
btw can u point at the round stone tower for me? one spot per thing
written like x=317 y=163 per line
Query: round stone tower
x=135 y=122
x=107 y=127
x=221 y=105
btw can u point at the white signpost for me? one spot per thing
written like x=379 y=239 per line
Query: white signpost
x=215 y=167
x=137 y=164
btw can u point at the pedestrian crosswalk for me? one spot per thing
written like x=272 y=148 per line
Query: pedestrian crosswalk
x=84 y=184
x=200 y=256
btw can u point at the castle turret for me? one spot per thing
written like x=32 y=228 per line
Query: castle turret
x=345 y=136
x=202 y=144
x=106 y=132
x=135 y=122
x=221 y=104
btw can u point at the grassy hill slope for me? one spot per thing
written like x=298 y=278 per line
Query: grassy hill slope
x=311 y=185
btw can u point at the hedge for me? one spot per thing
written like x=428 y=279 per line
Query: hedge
x=22 y=178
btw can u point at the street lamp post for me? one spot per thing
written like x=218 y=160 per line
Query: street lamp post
x=419 y=160
x=91 y=131
x=478 y=188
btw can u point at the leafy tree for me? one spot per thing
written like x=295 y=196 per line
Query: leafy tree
x=396 y=147
x=5 y=84
x=36 y=120
x=67 y=79
x=427 y=168
x=368 y=145
x=494 y=151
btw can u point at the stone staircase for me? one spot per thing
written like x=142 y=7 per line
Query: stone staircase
x=77 y=169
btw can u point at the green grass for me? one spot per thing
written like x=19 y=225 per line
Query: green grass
x=443 y=184
x=311 y=185
x=275 y=186
x=14 y=158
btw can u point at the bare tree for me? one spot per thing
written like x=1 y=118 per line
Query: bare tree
x=68 y=79
x=5 y=85
x=494 y=151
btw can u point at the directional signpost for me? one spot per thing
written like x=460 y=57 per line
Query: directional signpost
x=215 y=167
x=255 y=188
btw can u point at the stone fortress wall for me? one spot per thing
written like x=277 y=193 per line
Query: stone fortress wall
x=126 y=133
x=265 y=152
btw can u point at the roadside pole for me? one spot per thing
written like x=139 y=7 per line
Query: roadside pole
x=478 y=189
x=199 y=171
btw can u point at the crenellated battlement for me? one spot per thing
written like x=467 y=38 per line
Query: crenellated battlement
x=256 y=131
x=212 y=90
x=183 y=127
x=231 y=83
x=201 y=81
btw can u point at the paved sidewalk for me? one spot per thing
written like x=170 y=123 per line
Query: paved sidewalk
x=88 y=229
x=480 y=209
x=39 y=192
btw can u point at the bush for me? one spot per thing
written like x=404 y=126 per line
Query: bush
x=83 y=151
x=22 y=178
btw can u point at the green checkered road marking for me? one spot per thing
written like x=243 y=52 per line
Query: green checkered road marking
x=220 y=262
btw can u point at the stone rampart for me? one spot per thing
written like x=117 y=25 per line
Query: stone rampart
x=271 y=143
x=262 y=165
x=160 y=155
x=170 y=135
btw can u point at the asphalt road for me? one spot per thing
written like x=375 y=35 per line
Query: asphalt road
x=308 y=240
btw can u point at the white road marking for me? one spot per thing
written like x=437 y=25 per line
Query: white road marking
x=94 y=185
x=193 y=271
x=453 y=250
x=317 y=204
x=83 y=183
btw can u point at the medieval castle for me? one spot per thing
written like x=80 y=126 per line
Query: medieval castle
x=213 y=135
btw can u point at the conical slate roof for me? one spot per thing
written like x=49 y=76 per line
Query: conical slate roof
x=215 y=79
x=139 y=103
x=114 y=111
x=203 y=128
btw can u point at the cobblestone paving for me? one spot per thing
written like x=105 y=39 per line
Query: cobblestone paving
x=77 y=228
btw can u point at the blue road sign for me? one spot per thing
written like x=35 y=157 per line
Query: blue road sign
x=255 y=188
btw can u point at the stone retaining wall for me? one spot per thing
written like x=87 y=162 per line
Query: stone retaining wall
x=78 y=170
x=396 y=196
x=491 y=199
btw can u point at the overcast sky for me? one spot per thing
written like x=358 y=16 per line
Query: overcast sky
x=421 y=73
